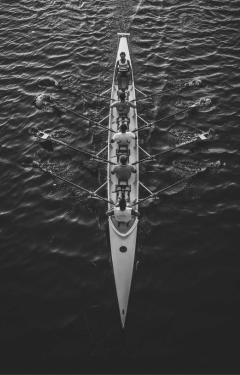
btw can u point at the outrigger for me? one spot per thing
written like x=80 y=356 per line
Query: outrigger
x=123 y=236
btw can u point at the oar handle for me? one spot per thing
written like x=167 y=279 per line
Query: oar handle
x=142 y=128
x=94 y=195
x=102 y=160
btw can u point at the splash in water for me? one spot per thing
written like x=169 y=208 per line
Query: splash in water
x=184 y=167
x=194 y=83
x=48 y=82
x=204 y=102
x=45 y=102
x=176 y=137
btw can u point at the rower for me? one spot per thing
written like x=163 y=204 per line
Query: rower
x=123 y=137
x=122 y=106
x=123 y=173
x=122 y=212
x=123 y=170
x=123 y=70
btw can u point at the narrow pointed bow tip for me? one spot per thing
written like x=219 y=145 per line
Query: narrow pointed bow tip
x=123 y=320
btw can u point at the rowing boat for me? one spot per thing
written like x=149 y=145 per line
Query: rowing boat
x=123 y=236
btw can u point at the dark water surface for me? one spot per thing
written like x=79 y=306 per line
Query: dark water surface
x=58 y=305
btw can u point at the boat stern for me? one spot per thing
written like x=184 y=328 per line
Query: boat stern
x=123 y=247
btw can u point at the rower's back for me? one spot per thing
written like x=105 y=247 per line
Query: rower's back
x=124 y=137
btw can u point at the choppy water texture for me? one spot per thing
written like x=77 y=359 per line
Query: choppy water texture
x=58 y=303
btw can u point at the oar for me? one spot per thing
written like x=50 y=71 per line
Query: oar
x=89 y=92
x=84 y=117
x=164 y=118
x=92 y=194
x=168 y=187
x=45 y=136
x=96 y=94
x=200 y=136
x=156 y=93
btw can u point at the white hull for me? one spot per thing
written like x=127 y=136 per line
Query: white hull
x=123 y=235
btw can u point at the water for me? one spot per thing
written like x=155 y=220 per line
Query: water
x=58 y=303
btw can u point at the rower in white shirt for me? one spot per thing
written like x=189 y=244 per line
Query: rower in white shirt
x=123 y=137
x=122 y=212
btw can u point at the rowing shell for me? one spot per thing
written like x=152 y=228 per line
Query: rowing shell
x=123 y=237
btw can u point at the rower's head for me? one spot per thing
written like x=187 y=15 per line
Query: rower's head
x=123 y=159
x=122 y=204
x=122 y=96
x=123 y=128
x=122 y=55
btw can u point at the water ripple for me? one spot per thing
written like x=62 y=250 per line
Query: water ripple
x=56 y=275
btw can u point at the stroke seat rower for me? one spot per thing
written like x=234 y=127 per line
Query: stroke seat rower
x=122 y=212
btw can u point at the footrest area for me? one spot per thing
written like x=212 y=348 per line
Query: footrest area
x=122 y=150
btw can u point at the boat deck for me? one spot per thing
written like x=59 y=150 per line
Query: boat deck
x=133 y=147
x=123 y=236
